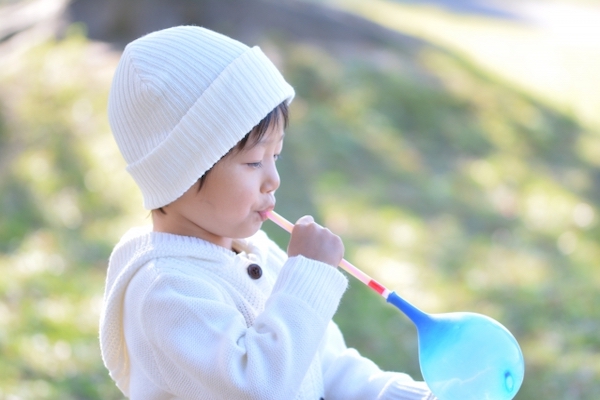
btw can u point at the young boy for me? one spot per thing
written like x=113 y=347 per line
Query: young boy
x=203 y=305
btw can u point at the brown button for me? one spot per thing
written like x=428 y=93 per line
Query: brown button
x=255 y=271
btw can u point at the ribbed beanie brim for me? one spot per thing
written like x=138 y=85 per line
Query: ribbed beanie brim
x=181 y=98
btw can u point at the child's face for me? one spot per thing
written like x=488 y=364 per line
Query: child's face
x=235 y=197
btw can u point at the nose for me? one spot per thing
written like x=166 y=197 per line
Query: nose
x=271 y=180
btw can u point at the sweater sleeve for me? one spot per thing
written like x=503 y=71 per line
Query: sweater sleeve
x=201 y=347
x=348 y=375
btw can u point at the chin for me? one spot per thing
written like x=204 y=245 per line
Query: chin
x=247 y=231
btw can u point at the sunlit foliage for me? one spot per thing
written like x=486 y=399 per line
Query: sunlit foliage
x=64 y=202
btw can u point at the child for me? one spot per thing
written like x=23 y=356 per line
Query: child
x=204 y=305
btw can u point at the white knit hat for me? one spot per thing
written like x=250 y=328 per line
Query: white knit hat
x=181 y=98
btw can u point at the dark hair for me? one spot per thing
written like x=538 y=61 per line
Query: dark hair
x=256 y=134
x=278 y=115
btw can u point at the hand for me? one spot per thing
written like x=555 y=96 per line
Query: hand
x=311 y=240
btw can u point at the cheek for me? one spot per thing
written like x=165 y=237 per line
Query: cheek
x=240 y=194
x=232 y=193
x=231 y=186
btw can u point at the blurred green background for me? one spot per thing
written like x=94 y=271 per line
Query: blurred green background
x=454 y=145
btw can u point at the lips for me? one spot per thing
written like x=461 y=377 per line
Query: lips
x=264 y=213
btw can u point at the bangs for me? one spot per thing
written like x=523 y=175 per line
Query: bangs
x=278 y=116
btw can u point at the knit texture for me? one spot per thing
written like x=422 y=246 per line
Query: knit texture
x=180 y=99
x=182 y=319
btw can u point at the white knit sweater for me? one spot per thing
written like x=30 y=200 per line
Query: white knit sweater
x=182 y=319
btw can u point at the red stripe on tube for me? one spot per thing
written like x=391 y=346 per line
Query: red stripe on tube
x=376 y=286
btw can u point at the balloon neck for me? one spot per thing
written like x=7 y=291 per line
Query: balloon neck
x=418 y=317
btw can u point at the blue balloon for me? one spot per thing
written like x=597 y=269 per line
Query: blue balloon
x=465 y=356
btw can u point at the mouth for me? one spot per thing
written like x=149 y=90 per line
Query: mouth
x=264 y=214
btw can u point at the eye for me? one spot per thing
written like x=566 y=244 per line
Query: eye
x=255 y=164
x=277 y=157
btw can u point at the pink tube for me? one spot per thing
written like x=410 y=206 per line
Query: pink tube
x=344 y=264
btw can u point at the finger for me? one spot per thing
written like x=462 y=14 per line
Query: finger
x=307 y=219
